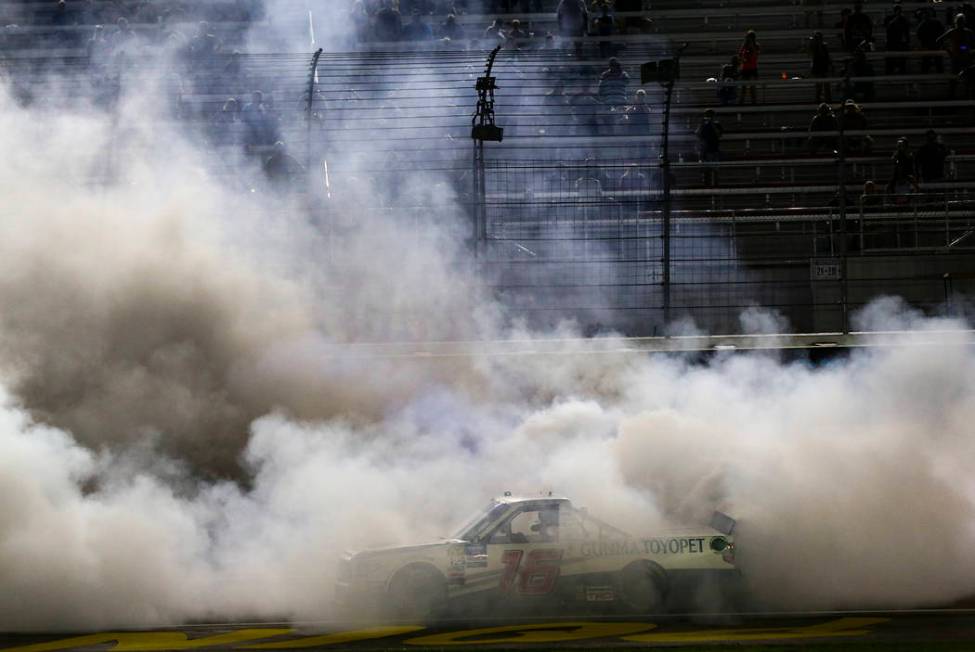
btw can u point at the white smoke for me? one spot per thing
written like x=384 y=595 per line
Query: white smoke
x=194 y=423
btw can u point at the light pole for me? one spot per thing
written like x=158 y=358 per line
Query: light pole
x=482 y=129
x=666 y=72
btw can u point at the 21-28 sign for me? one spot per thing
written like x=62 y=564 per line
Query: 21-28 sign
x=534 y=574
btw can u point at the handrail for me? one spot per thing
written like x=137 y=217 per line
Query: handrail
x=690 y=192
x=745 y=163
x=695 y=37
x=631 y=140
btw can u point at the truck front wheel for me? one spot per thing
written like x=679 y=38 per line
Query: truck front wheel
x=416 y=592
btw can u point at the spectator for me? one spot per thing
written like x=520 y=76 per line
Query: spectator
x=98 y=46
x=585 y=109
x=968 y=77
x=233 y=68
x=494 y=32
x=853 y=119
x=709 y=134
x=417 y=29
x=748 y=64
x=205 y=44
x=123 y=36
x=632 y=179
x=930 y=158
x=60 y=16
x=389 y=23
x=632 y=187
x=958 y=41
x=870 y=198
x=451 y=29
x=256 y=122
x=929 y=30
x=859 y=66
x=281 y=168
x=727 y=89
x=360 y=21
x=613 y=83
x=229 y=112
x=858 y=28
x=517 y=36
x=821 y=66
x=638 y=115
x=841 y=25
x=573 y=19
x=452 y=8
x=898 y=40
x=902 y=179
x=605 y=25
x=823 y=121
x=272 y=121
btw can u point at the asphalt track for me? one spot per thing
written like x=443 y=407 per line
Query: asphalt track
x=902 y=630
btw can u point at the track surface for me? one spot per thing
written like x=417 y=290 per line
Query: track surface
x=908 y=630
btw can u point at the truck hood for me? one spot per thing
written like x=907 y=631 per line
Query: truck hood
x=401 y=549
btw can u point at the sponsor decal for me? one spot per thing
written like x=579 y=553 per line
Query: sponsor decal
x=600 y=594
x=674 y=546
x=671 y=546
x=456 y=563
x=475 y=555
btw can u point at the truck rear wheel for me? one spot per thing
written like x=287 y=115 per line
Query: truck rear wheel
x=643 y=587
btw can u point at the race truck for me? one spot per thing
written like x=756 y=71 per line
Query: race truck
x=531 y=553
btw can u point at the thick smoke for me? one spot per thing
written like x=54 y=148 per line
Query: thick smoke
x=196 y=420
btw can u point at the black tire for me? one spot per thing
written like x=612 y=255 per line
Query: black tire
x=416 y=592
x=643 y=587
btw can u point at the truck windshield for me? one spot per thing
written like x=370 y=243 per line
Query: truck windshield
x=481 y=521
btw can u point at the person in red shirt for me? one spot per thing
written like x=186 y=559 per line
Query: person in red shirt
x=748 y=64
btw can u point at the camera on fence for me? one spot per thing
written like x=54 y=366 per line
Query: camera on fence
x=663 y=71
x=487 y=132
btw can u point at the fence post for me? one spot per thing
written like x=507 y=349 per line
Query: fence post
x=309 y=102
x=844 y=267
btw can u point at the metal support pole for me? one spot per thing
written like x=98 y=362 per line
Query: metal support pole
x=309 y=102
x=483 y=128
x=666 y=72
x=480 y=200
x=841 y=184
x=665 y=170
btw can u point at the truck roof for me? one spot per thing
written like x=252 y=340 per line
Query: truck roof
x=509 y=499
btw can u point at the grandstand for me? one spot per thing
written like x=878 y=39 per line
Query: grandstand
x=574 y=222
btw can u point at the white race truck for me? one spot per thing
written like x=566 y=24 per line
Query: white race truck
x=522 y=553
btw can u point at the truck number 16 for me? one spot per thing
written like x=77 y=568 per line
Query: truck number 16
x=537 y=576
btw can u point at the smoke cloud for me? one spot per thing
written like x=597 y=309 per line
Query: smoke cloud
x=196 y=420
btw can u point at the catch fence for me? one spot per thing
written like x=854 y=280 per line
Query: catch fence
x=585 y=241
